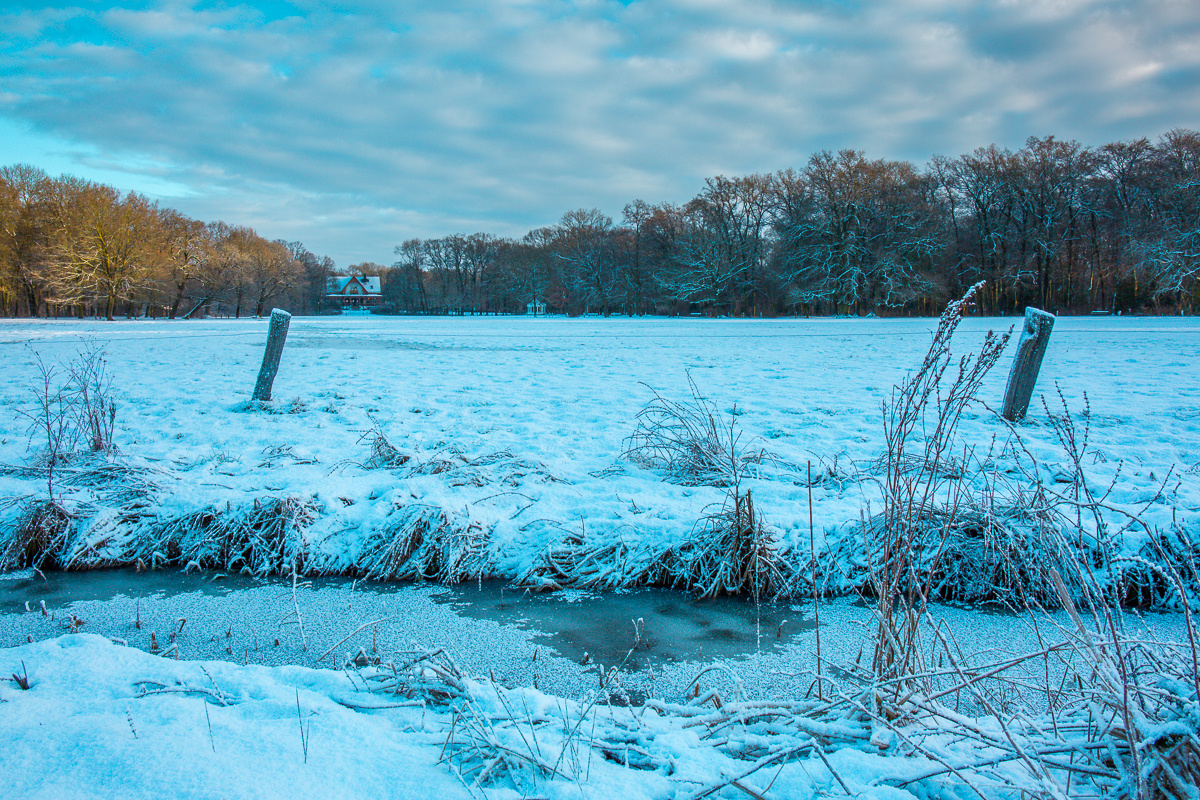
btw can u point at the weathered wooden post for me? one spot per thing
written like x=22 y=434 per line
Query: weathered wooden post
x=1026 y=363
x=276 y=336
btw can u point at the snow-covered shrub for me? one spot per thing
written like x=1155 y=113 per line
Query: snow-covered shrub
x=53 y=421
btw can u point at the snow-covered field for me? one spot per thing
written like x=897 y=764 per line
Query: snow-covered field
x=561 y=395
x=557 y=399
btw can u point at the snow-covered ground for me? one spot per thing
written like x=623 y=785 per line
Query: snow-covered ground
x=560 y=397
x=101 y=720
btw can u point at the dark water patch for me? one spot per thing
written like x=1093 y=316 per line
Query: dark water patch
x=56 y=588
x=655 y=624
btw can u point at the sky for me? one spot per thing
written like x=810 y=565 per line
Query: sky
x=354 y=126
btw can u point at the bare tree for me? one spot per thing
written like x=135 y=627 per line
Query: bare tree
x=273 y=271
x=726 y=241
x=1172 y=249
x=187 y=243
x=583 y=241
x=221 y=266
x=864 y=236
x=27 y=219
x=108 y=248
x=1049 y=182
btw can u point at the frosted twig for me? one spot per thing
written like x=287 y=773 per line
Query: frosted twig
x=346 y=638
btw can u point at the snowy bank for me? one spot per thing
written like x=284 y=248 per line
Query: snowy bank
x=453 y=448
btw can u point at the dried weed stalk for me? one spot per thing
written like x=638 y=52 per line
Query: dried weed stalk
x=921 y=495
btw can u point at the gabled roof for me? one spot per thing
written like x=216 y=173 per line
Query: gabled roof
x=338 y=284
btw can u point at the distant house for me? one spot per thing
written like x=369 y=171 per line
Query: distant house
x=536 y=308
x=354 y=291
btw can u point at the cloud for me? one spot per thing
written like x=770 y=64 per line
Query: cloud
x=354 y=129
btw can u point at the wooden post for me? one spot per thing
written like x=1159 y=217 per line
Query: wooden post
x=1026 y=363
x=276 y=336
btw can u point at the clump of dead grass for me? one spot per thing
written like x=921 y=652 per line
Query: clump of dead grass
x=420 y=542
x=262 y=538
x=384 y=454
x=690 y=441
x=733 y=552
x=459 y=469
x=41 y=537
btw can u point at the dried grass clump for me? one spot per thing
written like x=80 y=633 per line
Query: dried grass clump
x=730 y=552
x=384 y=454
x=958 y=555
x=1166 y=564
x=427 y=675
x=1094 y=713
x=115 y=483
x=690 y=441
x=494 y=738
x=421 y=542
x=577 y=564
x=733 y=553
x=273 y=454
x=41 y=537
x=261 y=539
x=501 y=467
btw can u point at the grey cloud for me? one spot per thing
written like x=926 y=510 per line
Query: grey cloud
x=388 y=122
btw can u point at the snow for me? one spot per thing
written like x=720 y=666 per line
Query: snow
x=83 y=731
x=561 y=396
x=100 y=718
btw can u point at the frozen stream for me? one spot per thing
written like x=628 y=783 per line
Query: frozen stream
x=520 y=638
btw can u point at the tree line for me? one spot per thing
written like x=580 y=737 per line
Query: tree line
x=71 y=247
x=1055 y=224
